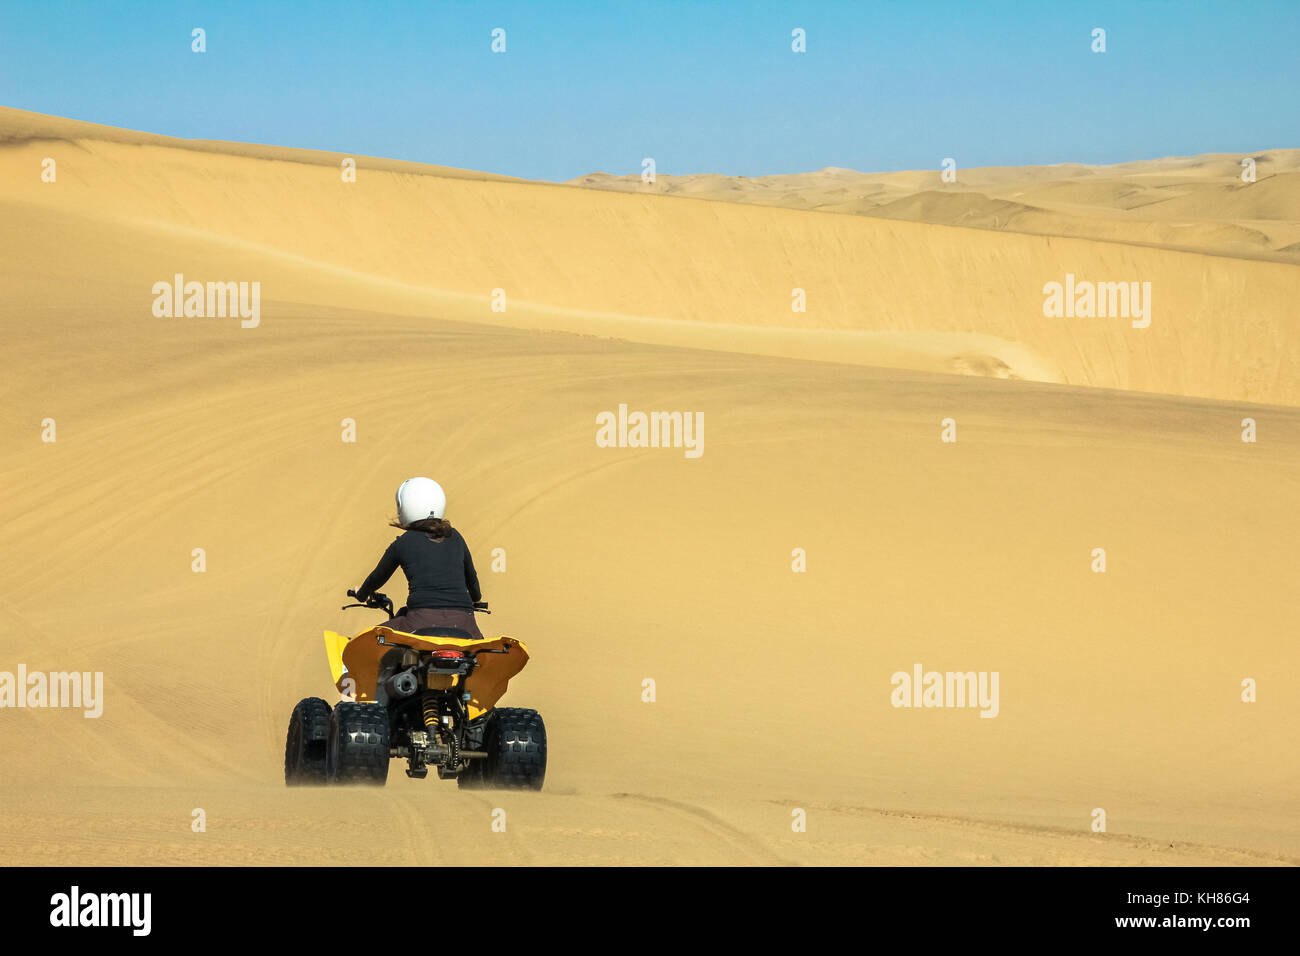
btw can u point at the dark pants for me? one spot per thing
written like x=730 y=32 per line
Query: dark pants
x=413 y=619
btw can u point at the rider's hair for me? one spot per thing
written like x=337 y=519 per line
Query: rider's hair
x=436 y=528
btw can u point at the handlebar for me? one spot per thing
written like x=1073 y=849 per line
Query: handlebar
x=381 y=602
x=376 y=601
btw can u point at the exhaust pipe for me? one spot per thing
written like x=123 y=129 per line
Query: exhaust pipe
x=402 y=684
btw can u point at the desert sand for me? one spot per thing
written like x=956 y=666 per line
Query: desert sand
x=1119 y=691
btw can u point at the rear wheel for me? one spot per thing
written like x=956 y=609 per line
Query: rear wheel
x=358 y=744
x=515 y=741
x=305 y=743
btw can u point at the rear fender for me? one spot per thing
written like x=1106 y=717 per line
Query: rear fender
x=363 y=656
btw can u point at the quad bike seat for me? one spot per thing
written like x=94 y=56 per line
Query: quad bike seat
x=444 y=632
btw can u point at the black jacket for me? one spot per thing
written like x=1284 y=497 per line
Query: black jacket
x=438 y=573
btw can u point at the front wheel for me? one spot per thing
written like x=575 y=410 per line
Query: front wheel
x=358 y=744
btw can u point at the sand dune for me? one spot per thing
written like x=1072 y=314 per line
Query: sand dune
x=1197 y=203
x=878 y=293
x=1119 y=691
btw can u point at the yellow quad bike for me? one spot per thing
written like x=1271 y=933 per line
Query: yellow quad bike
x=428 y=697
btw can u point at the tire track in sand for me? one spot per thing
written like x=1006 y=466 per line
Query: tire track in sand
x=746 y=844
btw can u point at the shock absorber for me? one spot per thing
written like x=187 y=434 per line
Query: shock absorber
x=430 y=712
x=440 y=729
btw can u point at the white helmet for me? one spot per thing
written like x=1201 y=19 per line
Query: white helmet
x=419 y=498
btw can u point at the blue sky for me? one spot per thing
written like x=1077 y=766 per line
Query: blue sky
x=701 y=87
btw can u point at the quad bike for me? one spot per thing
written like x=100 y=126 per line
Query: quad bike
x=428 y=697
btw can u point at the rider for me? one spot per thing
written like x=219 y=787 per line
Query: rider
x=439 y=570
